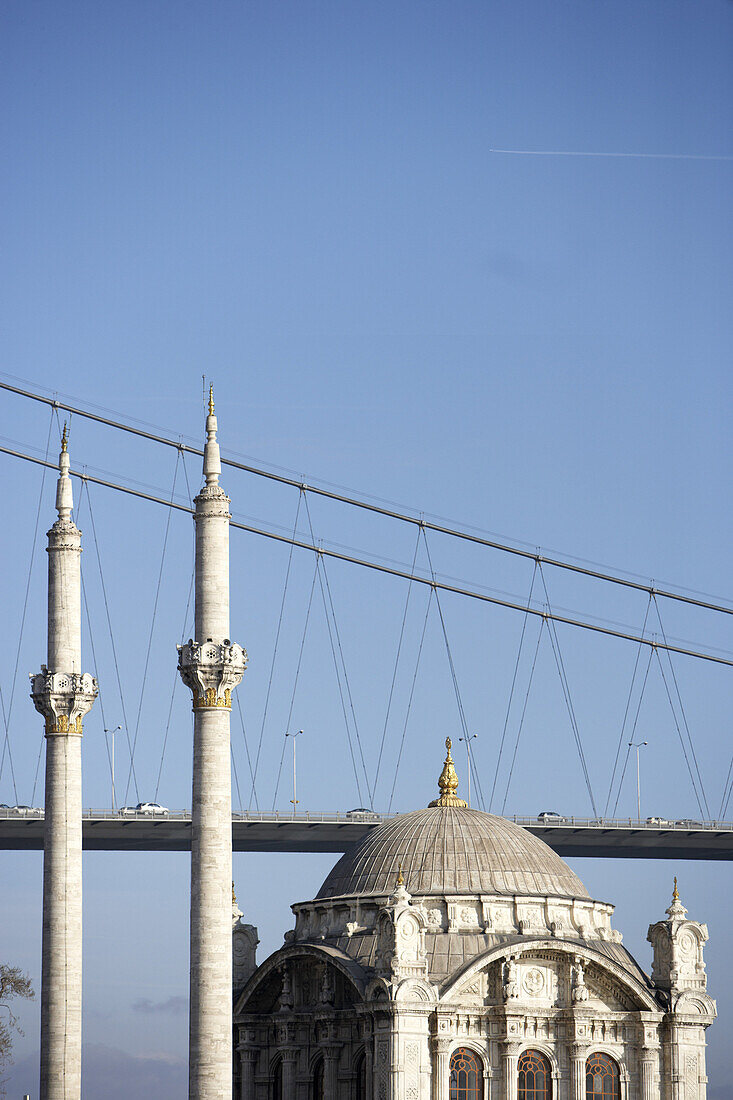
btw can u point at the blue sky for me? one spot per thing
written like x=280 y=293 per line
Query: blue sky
x=303 y=202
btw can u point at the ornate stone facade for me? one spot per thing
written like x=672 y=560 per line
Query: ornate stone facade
x=496 y=963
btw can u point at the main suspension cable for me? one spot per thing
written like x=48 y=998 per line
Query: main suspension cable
x=378 y=567
x=391 y=513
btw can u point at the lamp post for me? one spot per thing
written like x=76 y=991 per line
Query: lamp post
x=112 y=765
x=294 y=799
x=468 y=741
x=637 y=745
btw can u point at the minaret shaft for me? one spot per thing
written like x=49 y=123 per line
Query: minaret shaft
x=63 y=695
x=211 y=666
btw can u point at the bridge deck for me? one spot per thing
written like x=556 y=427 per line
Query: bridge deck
x=105 y=830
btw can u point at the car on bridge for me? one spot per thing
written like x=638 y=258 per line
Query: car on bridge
x=147 y=809
x=660 y=822
x=361 y=813
x=24 y=811
x=550 y=817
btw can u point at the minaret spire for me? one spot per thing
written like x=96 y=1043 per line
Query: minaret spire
x=211 y=666
x=64 y=492
x=212 y=458
x=63 y=695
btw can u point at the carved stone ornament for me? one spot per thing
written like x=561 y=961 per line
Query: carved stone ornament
x=63 y=698
x=511 y=985
x=211 y=670
x=578 y=986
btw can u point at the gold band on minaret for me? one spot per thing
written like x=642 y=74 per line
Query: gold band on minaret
x=448 y=783
x=211 y=399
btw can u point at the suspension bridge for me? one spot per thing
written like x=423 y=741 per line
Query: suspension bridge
x=604 y=833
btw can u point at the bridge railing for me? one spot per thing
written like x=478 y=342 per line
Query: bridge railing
x=374 y=818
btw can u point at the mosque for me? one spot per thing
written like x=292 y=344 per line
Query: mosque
x=452 y=955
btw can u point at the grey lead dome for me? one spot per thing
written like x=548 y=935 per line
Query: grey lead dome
x=452 y=850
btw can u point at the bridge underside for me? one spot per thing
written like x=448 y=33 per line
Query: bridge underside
x=140 y=834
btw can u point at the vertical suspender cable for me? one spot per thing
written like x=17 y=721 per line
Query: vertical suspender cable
x=409 y=701
x=396 y=665
x=112 y=640
x=8 y=714
x=511 y=690
x=253 y=793
x=626 y=711
x=682 y=710
x=555 y=644
x=521 y=719
x=295 y=682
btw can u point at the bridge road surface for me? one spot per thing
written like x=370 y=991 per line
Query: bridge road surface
x=113 y=831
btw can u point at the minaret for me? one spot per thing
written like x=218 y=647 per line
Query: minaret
x=63 y=694
x=211 y=666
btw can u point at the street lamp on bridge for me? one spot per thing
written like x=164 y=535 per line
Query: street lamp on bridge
x=637 y=745
x=294 y=799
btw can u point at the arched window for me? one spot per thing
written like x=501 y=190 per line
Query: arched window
x=602 y=1078
x=360 y=1076
x=318 y=1089
x=466 y=1076
x=277 y=1081
x=535 y=1079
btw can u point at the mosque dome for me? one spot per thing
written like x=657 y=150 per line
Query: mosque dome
x=451 y=849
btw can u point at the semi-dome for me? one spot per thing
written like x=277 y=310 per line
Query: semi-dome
x=451 y=849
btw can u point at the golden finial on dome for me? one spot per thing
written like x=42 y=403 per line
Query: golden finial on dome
x=234 y=896
x=65 y=437
x=211 y=399
x=448 y=783
x=675 y=892
x=400 y=877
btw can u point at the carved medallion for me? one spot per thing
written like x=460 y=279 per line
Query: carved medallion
x=534 y=982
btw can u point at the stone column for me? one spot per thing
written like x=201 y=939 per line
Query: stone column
x=288 y=1056
x=212 y=666
x=441 y=1067
x=648 y=1084
x=248 y=1062
x=63 y=695
x=510 y=1059
x=578 y=1057
x=330 y=1072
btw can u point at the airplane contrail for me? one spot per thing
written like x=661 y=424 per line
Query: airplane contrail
x=578 y=153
